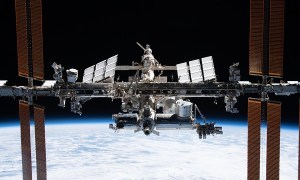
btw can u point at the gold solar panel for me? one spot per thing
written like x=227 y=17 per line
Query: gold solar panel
x=24 y=115
x=21 y=26
x=273 y=139
x=256 y=37
x=37 y=39
x=276 y=38
x=39 y=119
x=254 y=121
x=30 y=38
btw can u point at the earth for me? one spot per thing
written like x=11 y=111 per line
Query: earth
x=92 y=151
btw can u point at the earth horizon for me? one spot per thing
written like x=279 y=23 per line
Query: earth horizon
x=89 y=150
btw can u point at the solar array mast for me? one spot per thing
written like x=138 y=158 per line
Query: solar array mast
x=31 y=66
x=266 y=60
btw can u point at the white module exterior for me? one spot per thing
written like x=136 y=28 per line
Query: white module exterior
x=169 y=105
x=184 y=108
x=72 y=75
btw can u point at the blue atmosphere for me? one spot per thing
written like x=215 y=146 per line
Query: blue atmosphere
x=108 y=120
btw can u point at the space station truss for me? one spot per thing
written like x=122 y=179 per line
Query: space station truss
x=197 y=71
x=102 y=70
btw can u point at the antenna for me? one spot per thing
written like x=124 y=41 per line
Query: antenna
x=202 y=116
x=140 y=46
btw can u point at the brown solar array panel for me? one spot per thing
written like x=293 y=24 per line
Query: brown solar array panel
x=21 y=27
x=24 y=114
x=41 y=164
x=37 y=39
x=276 y=38
x=30 y=39
x=254 y=120
x=273 y=140
x=256 y=37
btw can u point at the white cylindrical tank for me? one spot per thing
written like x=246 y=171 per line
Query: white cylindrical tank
x=184 y=108
x=169 y=106
x=72 y=75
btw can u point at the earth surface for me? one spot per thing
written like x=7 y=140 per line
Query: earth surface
x=92 y=151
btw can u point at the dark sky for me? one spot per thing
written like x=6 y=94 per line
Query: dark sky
x=78 y=34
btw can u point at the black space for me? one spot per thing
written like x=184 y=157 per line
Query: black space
x=78 y=34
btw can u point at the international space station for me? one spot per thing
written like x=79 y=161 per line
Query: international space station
x=151 y=103
x=139 y=107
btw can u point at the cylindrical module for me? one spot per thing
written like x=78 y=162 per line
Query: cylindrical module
x=184 y=108
x=126 y=121
x=173 y=121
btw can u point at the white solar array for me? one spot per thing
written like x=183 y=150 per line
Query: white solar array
x=199 y=71
x=195 y=70
x=111 y=66
x=208 y=68
x=88 y=74
x=101 y=70
x=183 y=73
x=3 y=82
x=49 y=83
